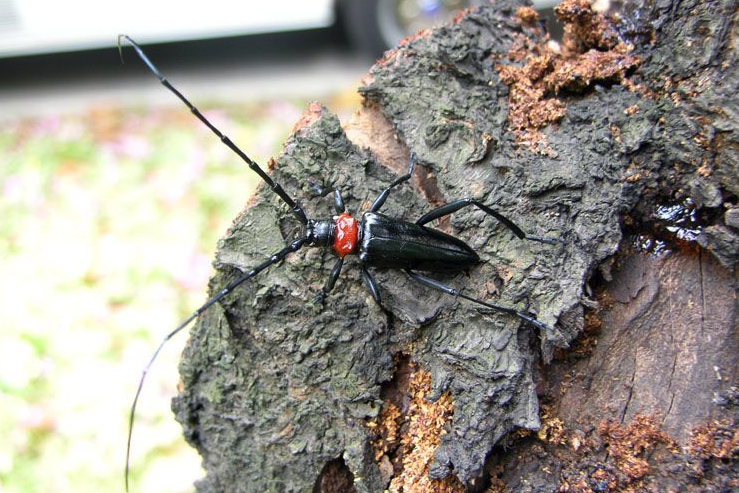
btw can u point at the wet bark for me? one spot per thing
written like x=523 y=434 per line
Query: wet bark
x=278 y=390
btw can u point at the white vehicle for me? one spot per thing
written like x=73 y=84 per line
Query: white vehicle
x=29 y=27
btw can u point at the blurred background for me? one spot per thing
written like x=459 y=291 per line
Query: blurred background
x=112 y=197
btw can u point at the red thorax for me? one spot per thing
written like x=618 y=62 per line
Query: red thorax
x=345 y=234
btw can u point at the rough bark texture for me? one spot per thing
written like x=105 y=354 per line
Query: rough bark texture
x=647 y=399
x=277 y=389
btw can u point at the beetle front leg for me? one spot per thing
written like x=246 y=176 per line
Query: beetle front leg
x=320 y=192
x=380 y=200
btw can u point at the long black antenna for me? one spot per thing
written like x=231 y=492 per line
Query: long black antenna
x=275 y=187
x=294 y=206
x=277 y=257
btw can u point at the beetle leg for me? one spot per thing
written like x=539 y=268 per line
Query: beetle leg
x=371 y=285
x=338 y=202
x=330 y=281
x=320 y=192
x=316 y=188
x=380 y=200
x=452 y=207
x=444 y=288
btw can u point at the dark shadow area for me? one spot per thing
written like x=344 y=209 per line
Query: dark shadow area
x=335 y=478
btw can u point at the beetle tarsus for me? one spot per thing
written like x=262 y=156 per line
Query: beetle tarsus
x=541 y=239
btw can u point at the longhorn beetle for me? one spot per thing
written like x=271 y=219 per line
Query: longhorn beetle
x=379 y=241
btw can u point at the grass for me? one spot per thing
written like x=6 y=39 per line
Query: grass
x=109 y=222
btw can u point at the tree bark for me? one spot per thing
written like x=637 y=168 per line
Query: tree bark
x=628 y=145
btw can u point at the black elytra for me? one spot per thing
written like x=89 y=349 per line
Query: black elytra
x=378 y=240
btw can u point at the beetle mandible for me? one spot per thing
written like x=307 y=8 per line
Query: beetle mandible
x=378 y=240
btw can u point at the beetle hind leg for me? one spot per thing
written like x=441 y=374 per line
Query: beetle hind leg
x=444 y=288
x=452 y=207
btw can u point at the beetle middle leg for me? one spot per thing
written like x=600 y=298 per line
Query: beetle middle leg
x=452 y=207
x=444 y=288
x=371 y=285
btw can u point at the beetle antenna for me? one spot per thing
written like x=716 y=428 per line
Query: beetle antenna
x=120 y=48
x=276 y=188
x=277 y=257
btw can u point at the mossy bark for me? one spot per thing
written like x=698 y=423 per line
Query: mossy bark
x=277 y=389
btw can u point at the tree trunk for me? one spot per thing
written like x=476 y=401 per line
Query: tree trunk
x=623 y=146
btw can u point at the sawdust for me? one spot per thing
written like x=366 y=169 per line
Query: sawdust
x=629 y=445
x=527 y=15
x=717 y=439
x=542 y=75
x=552 y=429
x=406 y=439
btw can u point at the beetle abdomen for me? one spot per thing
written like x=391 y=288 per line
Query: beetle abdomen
x=393 y=244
